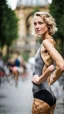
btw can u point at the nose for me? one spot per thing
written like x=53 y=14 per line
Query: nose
x=37 y=26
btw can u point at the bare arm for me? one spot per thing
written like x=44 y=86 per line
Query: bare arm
x=58 y=60
x=46 y=74
x=39 y=79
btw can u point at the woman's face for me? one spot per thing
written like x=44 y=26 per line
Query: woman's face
x=40 y=26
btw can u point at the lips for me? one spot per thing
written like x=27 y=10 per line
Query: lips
x=37 y=31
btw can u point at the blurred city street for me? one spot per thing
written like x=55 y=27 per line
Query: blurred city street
x=18 y=99
x=20 y=39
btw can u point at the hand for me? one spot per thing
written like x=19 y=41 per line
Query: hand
x=35 y=79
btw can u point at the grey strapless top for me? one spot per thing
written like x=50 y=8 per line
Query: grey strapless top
x=37 y=70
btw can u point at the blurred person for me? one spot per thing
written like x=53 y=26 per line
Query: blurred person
x=10 y=65
x=13 y=69
x=23 y=65
x=17 y=62
x=1 y=61
x=2 y=72
x=44 y=72
x=18 y=69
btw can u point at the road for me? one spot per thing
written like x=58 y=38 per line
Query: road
x=18 y=99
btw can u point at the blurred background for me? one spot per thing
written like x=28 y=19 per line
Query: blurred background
x=18 y=46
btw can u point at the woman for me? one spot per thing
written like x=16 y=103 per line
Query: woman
x=44 y=72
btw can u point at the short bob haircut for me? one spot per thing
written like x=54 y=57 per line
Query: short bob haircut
x=49 y=20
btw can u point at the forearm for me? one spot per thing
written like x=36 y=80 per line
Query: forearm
x=55 y=75
x=45 y=74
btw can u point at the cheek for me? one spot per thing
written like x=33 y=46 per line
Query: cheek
x=44 y=28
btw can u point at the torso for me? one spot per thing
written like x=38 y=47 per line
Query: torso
x=37 y=70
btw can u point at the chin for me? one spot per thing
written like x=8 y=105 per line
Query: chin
x=39 y=35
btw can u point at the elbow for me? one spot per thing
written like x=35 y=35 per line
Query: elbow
x=61 y=67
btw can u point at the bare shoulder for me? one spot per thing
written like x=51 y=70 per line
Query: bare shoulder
x=49 y=41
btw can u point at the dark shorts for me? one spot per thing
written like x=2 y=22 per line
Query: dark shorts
x=46 y=96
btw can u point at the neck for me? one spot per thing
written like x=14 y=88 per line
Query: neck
x=45 y=36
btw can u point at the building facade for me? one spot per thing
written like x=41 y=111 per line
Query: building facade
x=24 y=11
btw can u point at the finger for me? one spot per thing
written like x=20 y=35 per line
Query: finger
x=33 y=80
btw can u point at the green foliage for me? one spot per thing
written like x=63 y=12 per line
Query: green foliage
x=9 y=26
x=62 y=25
x=25 y=55
x=58 y=46
x=57 y=11
x=35 y=9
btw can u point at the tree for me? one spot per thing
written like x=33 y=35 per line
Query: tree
x=57 y=10
x=9 y=25
x=1 y=20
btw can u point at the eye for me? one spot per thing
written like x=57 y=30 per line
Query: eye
x=35 y=23
x=40 y=22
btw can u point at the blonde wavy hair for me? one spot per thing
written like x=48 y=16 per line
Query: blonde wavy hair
x=49 y=20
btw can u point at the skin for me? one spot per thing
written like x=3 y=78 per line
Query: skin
x=41 y=28
x=36 y=79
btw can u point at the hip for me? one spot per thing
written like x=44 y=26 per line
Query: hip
x=45 y=96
